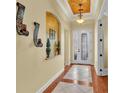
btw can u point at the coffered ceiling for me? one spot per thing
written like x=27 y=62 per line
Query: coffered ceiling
x=71 y=8
x=74 y=4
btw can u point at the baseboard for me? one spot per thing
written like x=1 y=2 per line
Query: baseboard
x=73 y=62
x=67 y=63
x=97 y=71
x=45 y=86
x=105 y=72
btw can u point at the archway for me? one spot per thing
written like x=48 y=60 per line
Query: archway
x=52 y=35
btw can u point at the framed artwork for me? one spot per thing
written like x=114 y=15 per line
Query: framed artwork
x=52 y=34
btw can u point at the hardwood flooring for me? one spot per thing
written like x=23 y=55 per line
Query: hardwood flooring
x=100 y=84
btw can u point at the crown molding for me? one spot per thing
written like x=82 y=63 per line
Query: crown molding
x=67 y=10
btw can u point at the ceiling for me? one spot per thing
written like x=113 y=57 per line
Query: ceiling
x=70 y=8
x=74 y=4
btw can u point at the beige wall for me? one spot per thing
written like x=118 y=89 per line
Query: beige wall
x=32 y=70
x=105 y=26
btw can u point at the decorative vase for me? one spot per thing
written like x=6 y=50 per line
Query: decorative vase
x=48 y=50
x=58 y=48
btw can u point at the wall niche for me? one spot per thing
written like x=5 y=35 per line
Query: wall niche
x=20 y=27
x=52 y=35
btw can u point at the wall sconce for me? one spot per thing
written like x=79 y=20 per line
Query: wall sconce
x=20 y=27
x=37 y=42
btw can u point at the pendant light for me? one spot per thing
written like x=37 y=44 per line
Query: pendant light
x=80 y=20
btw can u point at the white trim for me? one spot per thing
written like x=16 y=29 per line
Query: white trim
x=97 y=70
x=68 y=7
x=95 y=6
x=45 y=86
x=68 y=11
x=79 y=62
x=104 y=9
x=105 y=72
x=67 y=63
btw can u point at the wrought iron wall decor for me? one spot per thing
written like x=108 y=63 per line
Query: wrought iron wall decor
x=20 y=27
x=37 y=42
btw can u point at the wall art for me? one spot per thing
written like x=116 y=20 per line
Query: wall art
x=20 y=27
x=52 y=34
x=37 y=42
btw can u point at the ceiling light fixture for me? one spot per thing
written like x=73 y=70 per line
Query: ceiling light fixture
x=80 y=20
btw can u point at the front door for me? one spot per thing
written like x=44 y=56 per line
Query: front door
x=82 y=46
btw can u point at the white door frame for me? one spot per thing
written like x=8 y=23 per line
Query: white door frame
x=66 y=48
x=90 y=42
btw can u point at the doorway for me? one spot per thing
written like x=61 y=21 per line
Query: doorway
x=66 y=48
x=82 y=45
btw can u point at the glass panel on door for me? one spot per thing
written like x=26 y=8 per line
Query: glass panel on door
x=84 y=46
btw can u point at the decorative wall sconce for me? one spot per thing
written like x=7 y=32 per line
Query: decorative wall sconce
x=37 y=42
x=20 y=27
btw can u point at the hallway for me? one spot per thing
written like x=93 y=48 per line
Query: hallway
x=78 y=78
x=62 y=46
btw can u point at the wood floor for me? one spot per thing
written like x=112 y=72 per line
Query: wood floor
x=100 y=84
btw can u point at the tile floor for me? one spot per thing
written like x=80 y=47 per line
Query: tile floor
x=76 y=73
x=78 y=78
x=63 y=87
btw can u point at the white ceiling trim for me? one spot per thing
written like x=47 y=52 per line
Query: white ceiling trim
x=95 y=5
x=68 y=11
x=61 y=5
x=104 y=9
x=69 y=8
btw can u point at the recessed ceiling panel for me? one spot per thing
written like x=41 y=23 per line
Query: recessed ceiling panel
x=74 y=4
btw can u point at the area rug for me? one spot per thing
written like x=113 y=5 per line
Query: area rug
x=79 y=72
x=63 y=87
